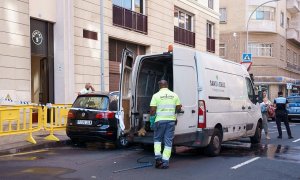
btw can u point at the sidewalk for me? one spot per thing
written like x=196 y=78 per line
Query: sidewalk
x=17 y=143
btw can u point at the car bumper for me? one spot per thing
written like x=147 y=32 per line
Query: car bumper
x=197 y=139
x=91 y=133
x=294 y=116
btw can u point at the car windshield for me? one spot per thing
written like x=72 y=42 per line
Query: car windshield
x=92 y=102
x=293 y=99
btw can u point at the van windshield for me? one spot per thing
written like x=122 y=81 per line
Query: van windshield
x=92 y=102
x=293 y=99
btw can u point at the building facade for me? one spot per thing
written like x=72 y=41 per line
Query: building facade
x=273 y=41
x=50 y=49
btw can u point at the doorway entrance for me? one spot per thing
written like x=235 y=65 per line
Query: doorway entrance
x=42 y=62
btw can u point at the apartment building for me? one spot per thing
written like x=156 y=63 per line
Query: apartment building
x=50 y=49
x=274 y=41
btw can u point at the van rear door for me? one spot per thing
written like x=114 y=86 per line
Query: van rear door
x=125 y=84
x=185 y=86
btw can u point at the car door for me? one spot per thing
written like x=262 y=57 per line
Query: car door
x=252 y=107
x=125 y=90
x=185 y=86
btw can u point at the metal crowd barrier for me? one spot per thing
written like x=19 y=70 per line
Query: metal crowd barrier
x=58 y=119
x=23 y=119
x=18 y=120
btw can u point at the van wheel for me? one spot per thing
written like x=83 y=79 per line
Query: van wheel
x=257 y=136
x=121 y=142
x=214 y=146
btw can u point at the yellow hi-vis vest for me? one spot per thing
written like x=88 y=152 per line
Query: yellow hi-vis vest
x=165 y=102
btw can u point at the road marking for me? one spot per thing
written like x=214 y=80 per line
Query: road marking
x=244 y=163
x=24 y=153
x=296 y=140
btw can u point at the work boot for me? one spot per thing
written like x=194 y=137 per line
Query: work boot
x=291 y=137
x=279 y=137
x=158 y=163
x=268 y=136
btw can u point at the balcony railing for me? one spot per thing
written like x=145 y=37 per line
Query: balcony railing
x=293 y=6
x=184 y=37
x=129 y=19
x=210 y=45
x=293 y=35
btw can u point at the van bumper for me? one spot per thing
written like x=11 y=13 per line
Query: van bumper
x=195 y=139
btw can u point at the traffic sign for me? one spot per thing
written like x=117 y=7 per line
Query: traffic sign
x=247 y=57
x=289 y=85
x=247 y=65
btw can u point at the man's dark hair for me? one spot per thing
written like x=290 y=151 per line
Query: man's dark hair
x=280 y=93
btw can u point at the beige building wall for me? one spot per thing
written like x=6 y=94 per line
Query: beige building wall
x=15 y=57
x=160 y=33
x=262 y=31
x=77 y=59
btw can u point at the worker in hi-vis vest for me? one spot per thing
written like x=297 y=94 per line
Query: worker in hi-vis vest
x=164 y=104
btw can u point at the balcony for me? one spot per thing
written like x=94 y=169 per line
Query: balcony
x=262 y=26
x=293 y=35
x=129 y=19
x=184 y=37
x=292 y=6
x=210 y=45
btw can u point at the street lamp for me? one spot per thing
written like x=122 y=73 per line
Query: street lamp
x=250 y=18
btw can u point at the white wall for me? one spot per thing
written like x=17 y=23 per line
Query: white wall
x=43 y=9
x=64 y=53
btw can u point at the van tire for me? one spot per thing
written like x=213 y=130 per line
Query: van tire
x=214 y=146
x=257 y=136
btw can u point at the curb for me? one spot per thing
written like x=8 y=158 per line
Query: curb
x=30 y=147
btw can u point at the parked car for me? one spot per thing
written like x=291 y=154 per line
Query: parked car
x=93 y=118
x=293 y=107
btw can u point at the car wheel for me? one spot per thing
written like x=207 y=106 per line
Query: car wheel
x=214 y=146
x=257 y=136
x=122 y=142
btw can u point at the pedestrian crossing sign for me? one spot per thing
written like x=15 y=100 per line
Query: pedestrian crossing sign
x=247 y=57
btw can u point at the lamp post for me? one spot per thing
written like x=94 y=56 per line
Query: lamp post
x=247 y=39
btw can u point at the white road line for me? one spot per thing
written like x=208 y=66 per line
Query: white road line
x=24 y=153
x=296 y=140
x=245 y=163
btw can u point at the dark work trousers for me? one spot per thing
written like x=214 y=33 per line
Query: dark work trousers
x=282 y=116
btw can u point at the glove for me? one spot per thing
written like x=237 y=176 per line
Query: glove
x=152 y=120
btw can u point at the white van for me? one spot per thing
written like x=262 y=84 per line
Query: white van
x=217 y=97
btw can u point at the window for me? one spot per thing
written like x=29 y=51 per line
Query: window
x=282 y=19
x=250 y=90
x=281 y=52
x=289 y=55
x=210 y=30
x=183 y=19
x=223 y=15
x=90 y=34
x=295 y=58
x=133 y=5
x=262 y=13
x=211 y=4
x=261 y=49
x=222 y=50
x=210 y=41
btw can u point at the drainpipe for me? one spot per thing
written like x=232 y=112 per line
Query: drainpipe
x=102 y=45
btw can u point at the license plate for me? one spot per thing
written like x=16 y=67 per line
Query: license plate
x=84 y=122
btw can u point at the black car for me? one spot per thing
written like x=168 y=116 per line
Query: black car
x=93 y=118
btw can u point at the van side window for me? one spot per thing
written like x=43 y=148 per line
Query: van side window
x=250 y=90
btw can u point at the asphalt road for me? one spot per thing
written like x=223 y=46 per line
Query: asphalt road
x=273 y=159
